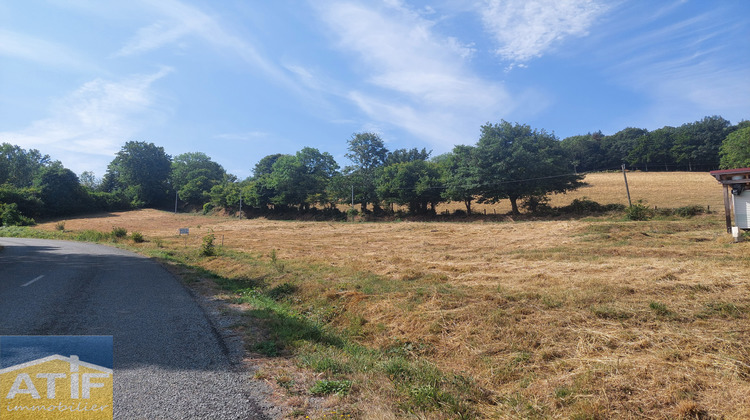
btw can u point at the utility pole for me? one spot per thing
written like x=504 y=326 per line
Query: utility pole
x=630 y=203
x=240 y=205
x=175 y=202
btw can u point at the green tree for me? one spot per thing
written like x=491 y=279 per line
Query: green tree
x=617 y=147
x=61 y=192
x=517 y=162
x=697 y=144
x=19 y=167
x=265 y=165
x=406 y=155
x=193 y=175
x=585 y=152
x=142 y=171
x=461 y=175
x=416 y=184
x=89 y=180
x=26 y=200
x=368 y=154
x=301 y=180
x=735 y=149
x=653 y=149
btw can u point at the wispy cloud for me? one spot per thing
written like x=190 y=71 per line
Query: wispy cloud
x=88 y=126
x=41 y=51
x=416 y=79
x=179 y=21
x=244 y=136
x=683 y=66
x=526 y=29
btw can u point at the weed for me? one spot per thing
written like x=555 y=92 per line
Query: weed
x=267 y=348
x=281 y=291
x=92 y=236
x=721 y=309
x=280 y=266
x=285 y=381
x=660 y=309
x=328 y=387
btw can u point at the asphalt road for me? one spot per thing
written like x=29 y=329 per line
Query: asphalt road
x=169 y=360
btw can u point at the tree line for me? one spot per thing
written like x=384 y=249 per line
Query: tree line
x=509 y=161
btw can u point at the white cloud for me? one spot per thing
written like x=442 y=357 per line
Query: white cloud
x=86 y=128
x=248 y=136
x=685 y=67
x=18 y=45
x=178 y=21
x=526 y=29
x=417 y=79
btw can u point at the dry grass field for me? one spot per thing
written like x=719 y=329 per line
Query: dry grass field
x=586 y=319
x=661 y=189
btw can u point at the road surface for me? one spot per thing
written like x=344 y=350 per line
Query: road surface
x=169 y=361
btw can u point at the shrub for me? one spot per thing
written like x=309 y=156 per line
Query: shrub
x=208 y=248
x=137 y=237
x=208 y=207
x=119 y=232
x=60 y=226
x=10 y=216
x=639 y=212
x=689 y=211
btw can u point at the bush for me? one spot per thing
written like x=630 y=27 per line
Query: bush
x=639 y=212
x=119 y=232
x=689 y=211
x=208 y=248
x=208 y=207
x=137 y=237
x=60 y=226
x=10 y=216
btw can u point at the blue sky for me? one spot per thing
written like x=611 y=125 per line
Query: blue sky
x=241 y=79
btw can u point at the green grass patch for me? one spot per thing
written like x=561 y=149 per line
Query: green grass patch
x=328 y=387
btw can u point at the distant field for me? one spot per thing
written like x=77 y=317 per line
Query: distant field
x=603 y=318
x=662 y=189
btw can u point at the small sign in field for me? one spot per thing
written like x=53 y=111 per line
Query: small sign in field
x=184 y=231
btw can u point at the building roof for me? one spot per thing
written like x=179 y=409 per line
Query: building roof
x=724 y=176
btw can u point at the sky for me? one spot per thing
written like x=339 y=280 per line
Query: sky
x=242 y=79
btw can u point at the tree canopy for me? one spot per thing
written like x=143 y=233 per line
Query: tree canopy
x=735 y=150
x=193 y=175
x=509 y=161
x=142 y=171
x=517 y=162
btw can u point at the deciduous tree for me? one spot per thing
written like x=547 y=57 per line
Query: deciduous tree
x=735 y=149
x=141 y=170
x=368 y=154
x=517 y=162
